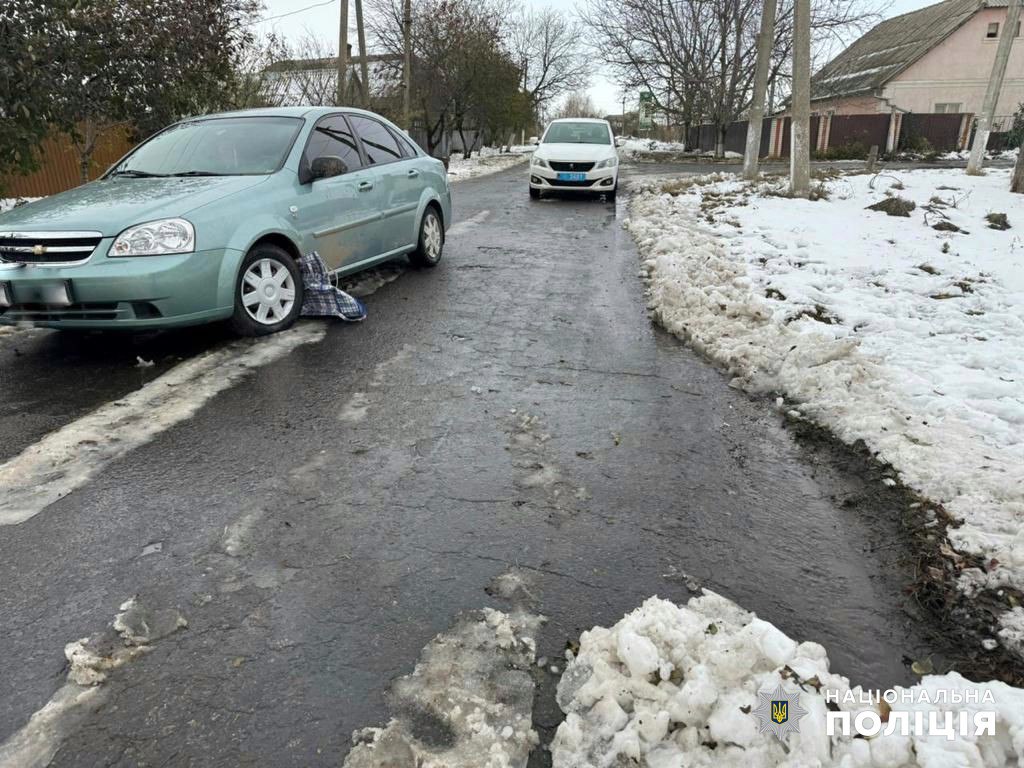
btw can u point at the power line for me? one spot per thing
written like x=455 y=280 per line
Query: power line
x=291 y=13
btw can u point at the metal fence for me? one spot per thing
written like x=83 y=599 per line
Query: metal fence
x=852 y=135
x=59 y=165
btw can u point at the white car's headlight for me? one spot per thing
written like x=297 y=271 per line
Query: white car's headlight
x=540 y=162
x=155 y=238
x=610 y=162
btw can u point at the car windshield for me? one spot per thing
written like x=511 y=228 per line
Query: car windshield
x=577 y=133
x=224 y=146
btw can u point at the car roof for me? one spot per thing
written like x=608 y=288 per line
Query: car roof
x=307 y=111
x=580 y=120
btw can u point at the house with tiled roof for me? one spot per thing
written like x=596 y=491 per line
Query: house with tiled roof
x=933 y=60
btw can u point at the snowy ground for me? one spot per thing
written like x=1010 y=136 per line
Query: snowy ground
x=879 y=327
x=671 y=686
x=486 y=161
x=1010 y=154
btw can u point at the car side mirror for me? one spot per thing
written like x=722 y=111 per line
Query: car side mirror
x=323 y=167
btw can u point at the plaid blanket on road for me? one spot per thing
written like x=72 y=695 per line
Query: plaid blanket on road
x=322 y=298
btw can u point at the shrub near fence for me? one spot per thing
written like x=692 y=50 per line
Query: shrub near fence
x=59 y=165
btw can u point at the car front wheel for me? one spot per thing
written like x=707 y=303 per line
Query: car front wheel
x=534 y=193
x=268 y=293
x=430 y=245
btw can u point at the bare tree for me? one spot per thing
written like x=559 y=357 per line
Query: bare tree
x=697 y=57
x=302 y=73
x=547 y=47
x=576 y=104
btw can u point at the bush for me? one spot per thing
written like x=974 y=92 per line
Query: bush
x=854 y=150
x=917 y=144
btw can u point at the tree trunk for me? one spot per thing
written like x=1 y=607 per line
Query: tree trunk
x=1017 y=183
x=720 y=129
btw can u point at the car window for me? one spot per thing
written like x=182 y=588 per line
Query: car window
x=332 y=137
x=577 y=133
x=216 y=147
x=378 y=142
x=407 y=145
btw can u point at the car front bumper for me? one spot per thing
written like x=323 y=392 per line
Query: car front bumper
x=130 y=293
x=597 y=180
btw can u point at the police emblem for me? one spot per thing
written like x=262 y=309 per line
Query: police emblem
x=779 y=712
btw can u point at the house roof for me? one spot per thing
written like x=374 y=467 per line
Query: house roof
x=891 y=47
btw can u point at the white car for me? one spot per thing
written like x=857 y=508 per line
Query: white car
x=576 y=155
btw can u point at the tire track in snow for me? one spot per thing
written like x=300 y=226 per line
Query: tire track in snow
x=471 y=223
x=67 y=459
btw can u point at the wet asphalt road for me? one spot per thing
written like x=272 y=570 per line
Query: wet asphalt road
x=513 y=407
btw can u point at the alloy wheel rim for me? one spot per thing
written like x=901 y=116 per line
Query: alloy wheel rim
x=432 y=237
x=268 y=291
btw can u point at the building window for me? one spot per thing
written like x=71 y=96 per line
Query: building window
x=947 y=108
x=993 y=30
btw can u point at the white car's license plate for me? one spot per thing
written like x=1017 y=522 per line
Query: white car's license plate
x=572 y=176
x=52 y=294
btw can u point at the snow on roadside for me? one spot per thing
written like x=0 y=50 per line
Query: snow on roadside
x=878 y=327
x=630 y=147
x=671 y=686
x=486 y=161
x=467 y=704
x=6 y=203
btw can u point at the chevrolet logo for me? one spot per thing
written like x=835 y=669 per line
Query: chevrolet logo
x=38 y=250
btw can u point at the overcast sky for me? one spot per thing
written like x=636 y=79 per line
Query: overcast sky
x=322 y=21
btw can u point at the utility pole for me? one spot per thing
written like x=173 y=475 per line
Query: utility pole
x=342 y=51
x=363 y=66
x=407 y=64
x=995 y=84
x=756 y=115
x=800 y=133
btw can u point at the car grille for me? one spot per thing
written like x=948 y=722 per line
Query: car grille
x=42 y=312
x=579 y=167
x=47 y=247
x=561 y=183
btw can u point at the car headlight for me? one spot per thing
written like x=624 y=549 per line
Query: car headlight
x=540 y=162
x=155 y=238
x=610 y=162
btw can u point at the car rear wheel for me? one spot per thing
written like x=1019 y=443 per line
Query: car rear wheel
x=430 y=245
x=269 y=292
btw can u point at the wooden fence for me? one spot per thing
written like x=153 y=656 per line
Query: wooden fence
x=59 y=167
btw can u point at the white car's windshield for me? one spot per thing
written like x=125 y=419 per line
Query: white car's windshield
x=226 y=146
x=577 y=133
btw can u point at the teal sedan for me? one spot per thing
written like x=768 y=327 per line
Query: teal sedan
x=207 y=220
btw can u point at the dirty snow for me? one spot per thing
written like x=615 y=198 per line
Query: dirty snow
x=66 y=459
x=6 y=203
x=671 y=686
x=879 y=327
x=485 y=161
x=90 y=661
x=630 y=147
x=467 y=704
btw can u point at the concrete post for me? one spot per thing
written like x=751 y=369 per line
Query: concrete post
x=800 y=146
x=756 y=115
x=363 y=65
x=995 y=83
x=342 y=51
x=407 y=64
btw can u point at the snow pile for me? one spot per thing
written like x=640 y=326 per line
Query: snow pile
x=672 y=686
x=468 y=703
x=6 y=203
x=485 y=161
x=964 y=154
x=631 y=147
x=880 y=327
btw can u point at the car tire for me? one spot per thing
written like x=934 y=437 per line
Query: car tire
x=534 y=193
x=267 y=301
x=610 y=196
x=430 y=244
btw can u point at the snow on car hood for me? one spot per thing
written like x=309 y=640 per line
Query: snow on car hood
x=588 y=153
x=108 y=206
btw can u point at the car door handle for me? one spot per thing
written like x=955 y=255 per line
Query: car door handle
x=413 y=173
x=365 y=186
